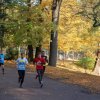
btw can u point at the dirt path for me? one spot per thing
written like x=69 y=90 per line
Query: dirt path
x=52 y=90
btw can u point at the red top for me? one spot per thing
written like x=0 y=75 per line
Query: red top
x=39 y=62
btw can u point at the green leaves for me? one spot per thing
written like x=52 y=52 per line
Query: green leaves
x=28 y=27
x=87 y=63
x=91 y=10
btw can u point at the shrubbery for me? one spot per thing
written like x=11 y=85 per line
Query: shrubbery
x=11 y=53
x=86 y=62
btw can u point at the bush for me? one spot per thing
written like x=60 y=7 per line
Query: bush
x=11 y=53
x=87 y=63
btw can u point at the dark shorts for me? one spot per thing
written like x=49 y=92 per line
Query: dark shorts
x=1 y=64
x=21 y=73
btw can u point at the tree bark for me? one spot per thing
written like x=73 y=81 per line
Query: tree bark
x=54 y=33
x=30 y=47
x=40 y=1
x=2 y=26
x=38 y=49
x=30 y=53
x=98 y=55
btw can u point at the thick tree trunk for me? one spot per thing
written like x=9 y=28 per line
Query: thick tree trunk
x=54 y=33
x=53 y=49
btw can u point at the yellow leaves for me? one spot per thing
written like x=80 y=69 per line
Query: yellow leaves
x=74 y=29
x=68 y=42
x=82 y=40
x=46 y=3
x=61 y=28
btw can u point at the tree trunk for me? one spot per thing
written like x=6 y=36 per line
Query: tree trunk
x=1 y=48
x=2 y=26
x=30 y=47
x=38 y=49
x=40 y=1
x=30 y=53
x=98 y=57
x=96 y=70
x=54 y=33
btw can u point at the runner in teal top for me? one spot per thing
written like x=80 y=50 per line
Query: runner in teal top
x=21 y=66
x=2 y=61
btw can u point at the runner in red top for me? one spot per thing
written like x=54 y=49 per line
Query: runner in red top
x=39 y=61
x=45 y=58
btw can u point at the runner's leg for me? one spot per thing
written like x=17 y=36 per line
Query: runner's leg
x=41 y=72
x=39 y=75
x=22 y=77
x=44 y=69
x=3 y=69
x=19 y=76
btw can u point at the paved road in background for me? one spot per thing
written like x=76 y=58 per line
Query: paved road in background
x=52 y=90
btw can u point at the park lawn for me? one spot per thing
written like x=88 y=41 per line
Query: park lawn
x=88 y=81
